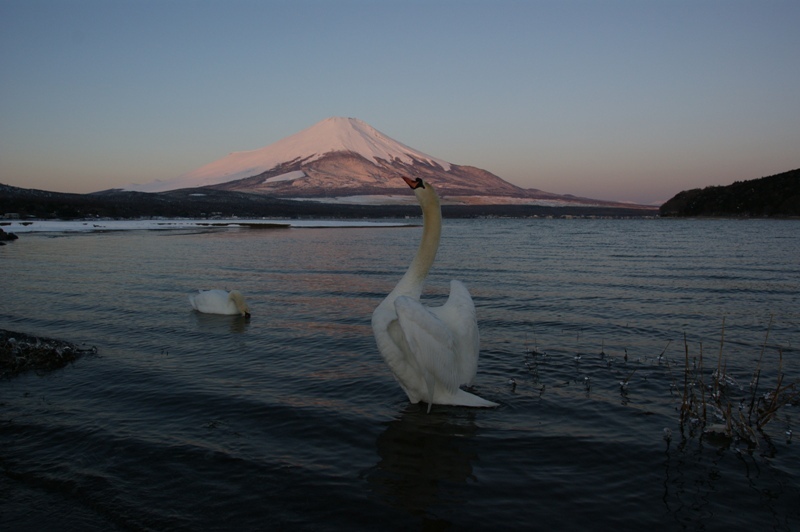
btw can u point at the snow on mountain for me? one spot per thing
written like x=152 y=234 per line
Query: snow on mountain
x=288 y=176
x=335 y=134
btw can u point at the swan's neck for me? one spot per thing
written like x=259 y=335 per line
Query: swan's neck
x=414 y=278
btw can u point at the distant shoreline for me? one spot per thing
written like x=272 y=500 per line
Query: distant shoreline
x=99 y=225
x=212 y=204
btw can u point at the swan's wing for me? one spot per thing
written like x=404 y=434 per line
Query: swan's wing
x=430 y=343
x=458 y=314
x=212 y=302
x=201 y=299
x=395 y=351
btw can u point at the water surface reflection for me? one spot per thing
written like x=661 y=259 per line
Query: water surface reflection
x=425 y=460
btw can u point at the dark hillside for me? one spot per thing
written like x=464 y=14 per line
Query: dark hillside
x=773 y=196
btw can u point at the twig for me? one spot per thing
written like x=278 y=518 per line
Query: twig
x=757 y=374
x=684 y=405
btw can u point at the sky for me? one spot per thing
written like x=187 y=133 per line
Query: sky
x=622 y=100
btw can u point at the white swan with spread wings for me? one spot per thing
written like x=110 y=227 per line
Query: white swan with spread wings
x=432 y=351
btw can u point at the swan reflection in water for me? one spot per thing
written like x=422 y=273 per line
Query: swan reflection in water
x=218 y=323
x=425 y=461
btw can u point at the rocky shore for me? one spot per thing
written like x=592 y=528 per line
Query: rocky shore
x=20 y=352
x=6 y=237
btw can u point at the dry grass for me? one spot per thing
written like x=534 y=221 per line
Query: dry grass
x=723 y=408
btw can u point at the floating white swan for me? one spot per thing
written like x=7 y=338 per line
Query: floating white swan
x=220 y=302
x=432 y=351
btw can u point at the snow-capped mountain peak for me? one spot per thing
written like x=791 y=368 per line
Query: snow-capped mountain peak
x=347 y=160
x=335 y=134
x=349 y=134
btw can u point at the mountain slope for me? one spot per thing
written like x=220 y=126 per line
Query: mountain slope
x=351 y=174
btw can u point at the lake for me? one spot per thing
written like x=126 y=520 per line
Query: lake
x=292 y=420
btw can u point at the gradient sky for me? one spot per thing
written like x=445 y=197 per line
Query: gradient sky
x=619 y=100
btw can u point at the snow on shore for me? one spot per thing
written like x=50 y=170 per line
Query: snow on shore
x=86 y=226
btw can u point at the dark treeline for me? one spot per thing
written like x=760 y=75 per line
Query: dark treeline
x=209 y=203
x=773 y=196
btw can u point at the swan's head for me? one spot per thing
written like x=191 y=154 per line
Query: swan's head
x=241 y=305
x=423 y=190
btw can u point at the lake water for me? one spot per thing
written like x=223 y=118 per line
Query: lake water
x=292 y=420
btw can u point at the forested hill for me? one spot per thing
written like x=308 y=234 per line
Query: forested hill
x=774 y=196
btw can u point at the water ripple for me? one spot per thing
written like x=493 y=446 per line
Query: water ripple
x=292 y=420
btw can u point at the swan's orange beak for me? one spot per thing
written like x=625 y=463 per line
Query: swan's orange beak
x=413 y=183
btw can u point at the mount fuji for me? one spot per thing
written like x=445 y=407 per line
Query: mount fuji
x=347 y=160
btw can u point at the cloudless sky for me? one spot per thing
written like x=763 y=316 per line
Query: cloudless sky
x=620 y=100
